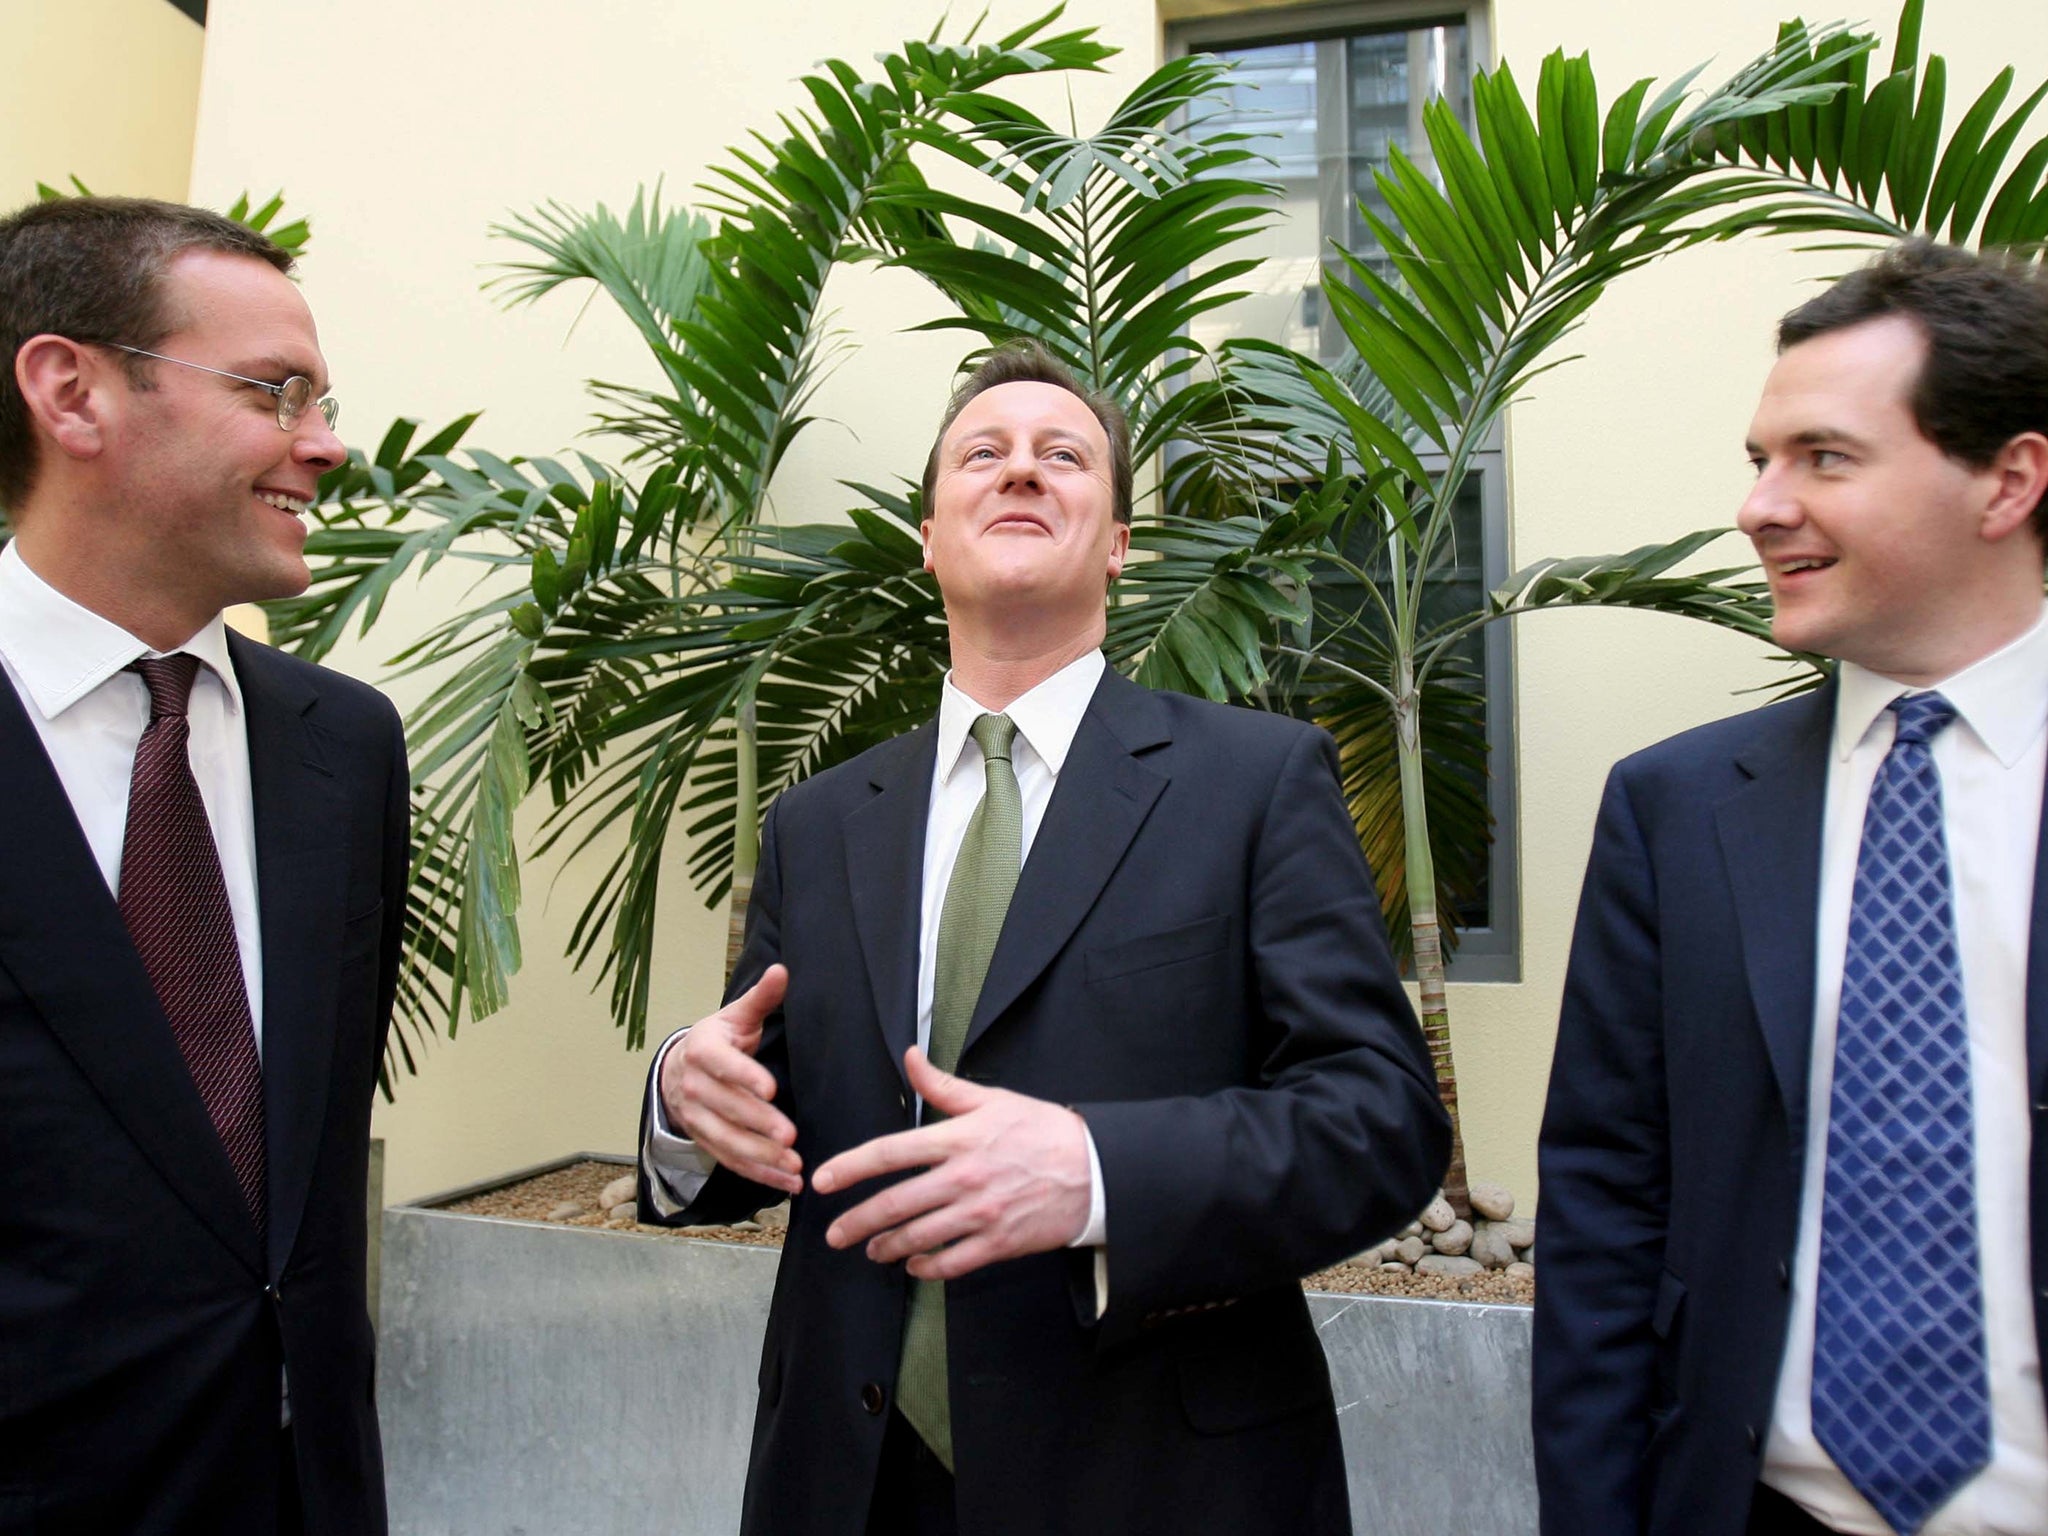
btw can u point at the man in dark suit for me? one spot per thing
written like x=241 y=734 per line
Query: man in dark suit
x=1175 y=1066
x=1793 y=1168
x=200 y=902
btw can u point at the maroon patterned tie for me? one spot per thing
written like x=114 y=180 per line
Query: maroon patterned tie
x=175 y=903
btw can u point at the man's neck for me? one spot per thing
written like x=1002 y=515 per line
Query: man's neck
x=1985 y=630
x=996 y=671
x=140 y=605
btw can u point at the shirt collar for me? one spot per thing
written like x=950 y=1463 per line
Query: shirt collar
x=62 y=651
x=2003 y=697
x=1046 y=718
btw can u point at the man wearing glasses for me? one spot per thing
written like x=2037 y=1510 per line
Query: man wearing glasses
x=201 y=901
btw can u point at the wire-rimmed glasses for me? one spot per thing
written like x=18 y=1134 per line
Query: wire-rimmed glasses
x=293 y=395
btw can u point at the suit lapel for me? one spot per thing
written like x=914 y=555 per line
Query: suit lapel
x=301 y=880
x=63 y=941
x=1103 y=796
x=885 y=873
x=1770 y=834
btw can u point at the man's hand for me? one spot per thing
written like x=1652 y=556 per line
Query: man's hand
x=1006 y=1175
x=718 y=1095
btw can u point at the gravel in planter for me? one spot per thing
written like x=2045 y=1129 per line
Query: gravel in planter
x=576 y=1196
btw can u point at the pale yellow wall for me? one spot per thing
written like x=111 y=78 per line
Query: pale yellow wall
x=434 y=121
x=105 y=90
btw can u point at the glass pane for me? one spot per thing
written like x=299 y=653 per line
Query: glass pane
x=1456 y=589
x=1328 y=113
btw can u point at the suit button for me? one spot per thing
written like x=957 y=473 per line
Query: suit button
x=1784 y=1275
x=1755 y=1440
x=271 y=1292
x=873 y=1398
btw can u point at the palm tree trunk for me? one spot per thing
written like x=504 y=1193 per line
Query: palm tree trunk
x=746 y=831
x=1426 y=932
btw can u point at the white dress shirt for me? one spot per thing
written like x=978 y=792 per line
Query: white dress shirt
x=1046 y=718
x=68 y=666
x=1991 y=760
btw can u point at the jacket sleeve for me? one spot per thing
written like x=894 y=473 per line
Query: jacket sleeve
x=725 y=1196
x=1341 y=1139
x=1604 y=1162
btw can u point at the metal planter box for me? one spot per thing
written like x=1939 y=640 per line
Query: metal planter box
x=542 y=1380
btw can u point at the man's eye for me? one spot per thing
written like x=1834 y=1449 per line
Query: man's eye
x=1066 y=455
x=1828 y=458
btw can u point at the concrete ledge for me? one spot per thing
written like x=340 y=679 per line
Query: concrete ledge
x=538 y=1380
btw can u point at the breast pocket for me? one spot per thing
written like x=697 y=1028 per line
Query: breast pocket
x=1156 y=951
x=1168 y=1009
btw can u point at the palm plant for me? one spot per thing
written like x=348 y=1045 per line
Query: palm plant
x=1537 y=211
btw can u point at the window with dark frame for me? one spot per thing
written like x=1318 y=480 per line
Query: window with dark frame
x=1332 y=89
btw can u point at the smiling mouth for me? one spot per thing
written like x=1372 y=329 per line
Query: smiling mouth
x=278 y=499
x=1796 y=567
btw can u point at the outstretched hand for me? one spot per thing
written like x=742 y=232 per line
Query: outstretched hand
x=720 y=1097
x=1005 y=1175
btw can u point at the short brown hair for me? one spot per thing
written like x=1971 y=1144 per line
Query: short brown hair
x=91 y=268
x=1027 y=362
x=1985 y=317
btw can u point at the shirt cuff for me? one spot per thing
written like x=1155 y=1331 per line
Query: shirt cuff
x=1096 y=1233
x=677 y=1167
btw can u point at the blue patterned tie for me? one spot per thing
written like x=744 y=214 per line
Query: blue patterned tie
x=1901 y=1399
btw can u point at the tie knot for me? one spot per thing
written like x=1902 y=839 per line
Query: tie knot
x=993 y=734
x=1922 y=717
x=169 y=680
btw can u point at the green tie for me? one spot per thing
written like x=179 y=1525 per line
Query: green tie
x=977 y=896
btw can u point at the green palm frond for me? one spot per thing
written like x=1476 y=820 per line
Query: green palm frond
x=651 y=264
x=1643 y=578
x=1198 y=606
x=1119 y=238
x=790 y=208
x=1872 y=163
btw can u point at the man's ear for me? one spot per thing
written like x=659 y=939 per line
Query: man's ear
x=924 y=533
x=64 y=387
x=1119 y=548
x=2020 y=480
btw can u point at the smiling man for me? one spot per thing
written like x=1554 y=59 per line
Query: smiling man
x=1795 y=1181
x=201 y=901
x=1070 y=1024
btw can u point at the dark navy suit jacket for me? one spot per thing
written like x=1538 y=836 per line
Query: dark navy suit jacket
x=1194 y=959
x=1673 y=1145
x=143 y=1320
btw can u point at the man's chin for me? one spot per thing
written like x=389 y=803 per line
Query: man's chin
x=287 y=577
x=1796 y=631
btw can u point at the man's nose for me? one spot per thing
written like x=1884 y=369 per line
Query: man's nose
x=1021 y=468
x=316 y=443
x=1769 y=504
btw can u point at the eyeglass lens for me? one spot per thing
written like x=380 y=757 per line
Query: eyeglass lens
x=296 y=395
